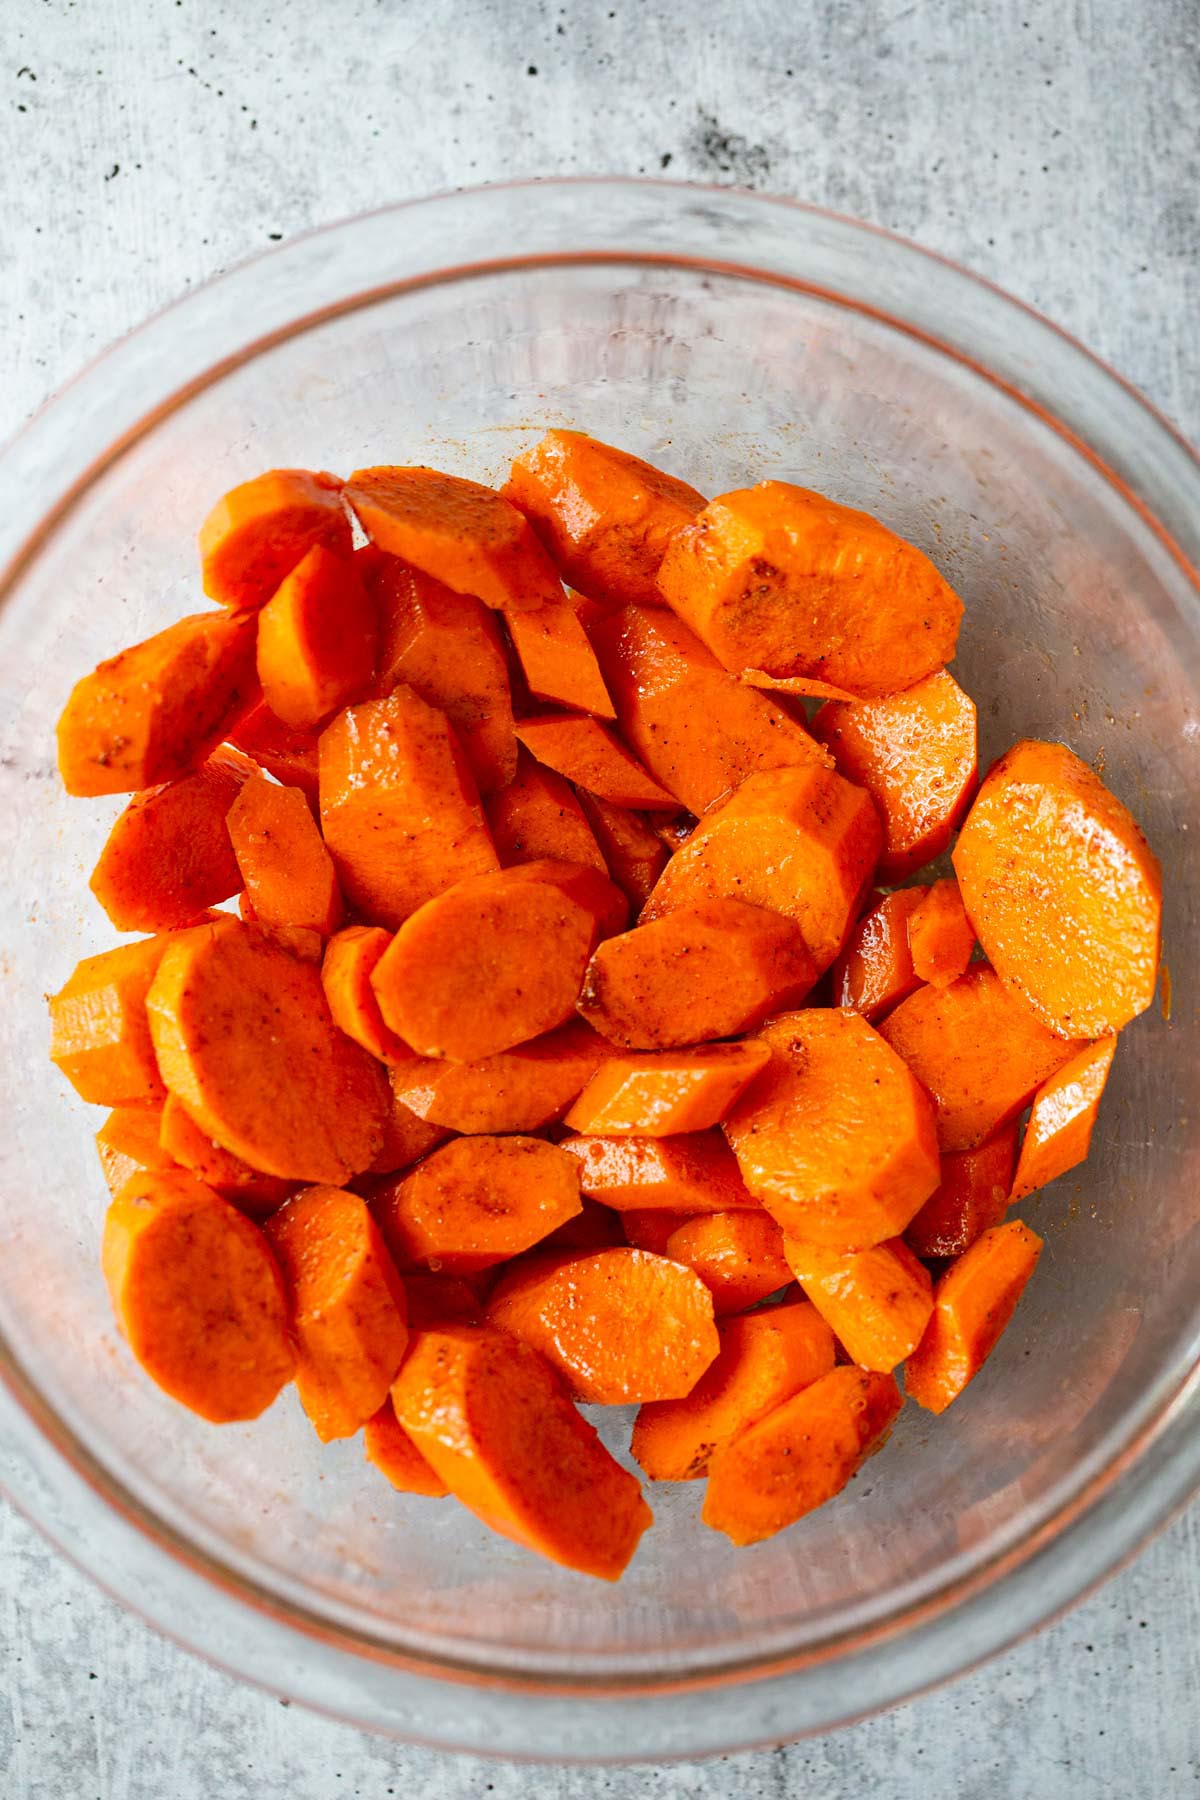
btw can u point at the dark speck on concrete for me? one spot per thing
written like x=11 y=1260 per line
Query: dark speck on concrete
x=719 y=152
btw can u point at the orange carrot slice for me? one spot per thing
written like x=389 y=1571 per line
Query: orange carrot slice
x=127 y=1144
x=605 y=516
x=632 y=850
x=286 y=870
x=435 y=1300
x=836 y=1138
x=490 y=1415
x=588 y=753
x=876 y=1301
x=290 y=756
x=651 y=1228
x=1059 y=1132
x=243 y=1036
x=804 y=687
x=155 y=711
x=707 y=971
x=477 y=1201
x=971 y=1197
x=187 y=1146
x=915 y=753
x=388 y=1446
x=198 y=1296
x=462 y=534
x=940 y=935
x=558 y=662
x=779 y=578
x=537 y=815
x=168 y=856
x=317 y=640
x=800 y=1455
x=406 y=1138
x=349 y=1316
x=737 y=1255
x=658 y=1093
x=801 y=842
x=695 y=1172
x=875 y=970
x=1063 y=891
x=594 y=1227
x=448 y=649
x=259 y=531
x=978 y=1050
x=696 y=728
x=620 y=1325
x=399 y=808
x=972 y=1304
x=765 y=1358
x=520 y=1090
x=351 y=958
x=99 y=1036
x=495 y=960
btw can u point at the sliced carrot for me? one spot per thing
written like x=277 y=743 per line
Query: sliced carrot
x=351 y=957
x=594 y=1227
x=198 y=1296
x=915 y=753
x=290 y=756
x=439 y=1300
x=1063 y=890
x=876 y=1301
x=875 y=970
x=399 y=807
x=587 y=753
x=651 y=1229
x=696 y=728
x=799 y=1455
x=448 y=649
x=737 y=1255
x=298 y=940
x=258 y=532
x=286 y=870
x=633 y=852
x=490 y=1415
x=463 y=534
x=695 y=1172
x=476 y=1202
x=836 y=1138
x=537 y=815
x=349 y=1316
x=168 y=856
x=620 y=1325
x=519 y=1090
x=244 y=1038
x=388 y=1446
x=801 y=842
x=972 y=1304
x=127 y=1143
x=317 y=640
x=765 y=1358
x=971 y=1197
x=1063 y=1116
x=155 y=711
x=779 y=578
x=978 y=1050
x=706 y=971
x=99 y=1037
x=496 y=960
x=658 y=1093
x=406 y=1138
x=940 y=935
x=558 y=662
x=605 y=516
x=802 y=687
x=188 y=1147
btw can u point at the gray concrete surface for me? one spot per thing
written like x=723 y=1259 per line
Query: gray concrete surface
x=1054 y=147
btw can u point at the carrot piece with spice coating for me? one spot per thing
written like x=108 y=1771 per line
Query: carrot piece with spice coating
x=99 y=1036
x=587 y=753
x=706 y=971
x=632 y=850
x=491 y=1417
x=287 y=872
x=190 y=1148
x=940 y=935
x=875 y=970
x=972 y=1304
x=1063 y=890
x=1062 y=1118
x=198 y=1296
x=971 y=1197
x=693 y=1172
x=605 y=516
x=620 y=1325
x=406 y=1138
x=737 y=1255
x=399 y=807
x=155 y=711
x=290 y=756
x=349 y=1317
x=877 y=1301
x=351 y=957
x=460 y=532
x=317 y=639
x=477 y=1201
x=128 y=1143
x=650 y=1229
x=388 y=1446
x=168 y=855
x=765 y=1358
x=520 y=1090
x=258 y=532
x=658 y=1093
x=779 y=578
x=558 y=662
x=537 y=815
x=836 y=1138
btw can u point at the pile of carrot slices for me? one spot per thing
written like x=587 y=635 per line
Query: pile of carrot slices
x=591 y=1027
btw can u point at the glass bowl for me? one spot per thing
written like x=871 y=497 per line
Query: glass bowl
x=727 y=337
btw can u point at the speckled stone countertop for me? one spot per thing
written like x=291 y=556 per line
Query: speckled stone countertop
x=1054 y=148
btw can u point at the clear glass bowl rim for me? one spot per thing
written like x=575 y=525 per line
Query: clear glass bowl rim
x=44 y=470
